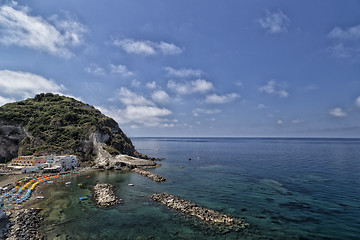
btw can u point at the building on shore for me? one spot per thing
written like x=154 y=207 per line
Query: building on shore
x=23 y=161
x=64 y=162
x=51 y=162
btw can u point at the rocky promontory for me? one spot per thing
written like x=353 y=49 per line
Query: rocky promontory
x=208 y=215
x=152 y=176
x=54 y=124
x=104 y=195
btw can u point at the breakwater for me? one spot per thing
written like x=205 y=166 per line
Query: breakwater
x=104 y=195
x=207 y=215
x=152 y=176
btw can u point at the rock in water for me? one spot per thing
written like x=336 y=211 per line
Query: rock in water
x=104 y=195
x=208 y=215
x=152 y=176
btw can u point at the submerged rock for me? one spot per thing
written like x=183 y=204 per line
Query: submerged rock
x=152 y=176
x=207 y=215
x=104 y=195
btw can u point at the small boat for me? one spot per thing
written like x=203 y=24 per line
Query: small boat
x=130 y=184
x=40 y=197
x=83 y=198
x=67 y=183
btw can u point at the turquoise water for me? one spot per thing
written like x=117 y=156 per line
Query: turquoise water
x=284 y=188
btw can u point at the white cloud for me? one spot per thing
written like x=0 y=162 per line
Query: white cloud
x=4 y=100
x=239 y=84
x=260 y=106
x=341 y=51
x=183 y=72
x=122 y=70
x=351 y=33
x=160 y=97
x=280 y=122
x=148 y=116
x=147 y=48
x=18 y=27
x=135 y=83
x=128 y=97
x=201 y=85
x=219 y=99
x=168 y=48
x=357 y=102
x=276 y=22
x=151 y=85
x=196 y=111
x=297 y=121
x=25 y=84
x=71 y=30
x=272 y=87
x=95 y=69
x=337 y=112
x=197 y=86
x=138 y=111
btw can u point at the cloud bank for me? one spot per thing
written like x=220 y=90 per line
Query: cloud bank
x=22 y=85
x=18 y=27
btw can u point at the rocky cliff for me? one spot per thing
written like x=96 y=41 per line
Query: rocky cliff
x=54 y=124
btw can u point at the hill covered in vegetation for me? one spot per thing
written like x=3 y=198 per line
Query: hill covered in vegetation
x=54 y=124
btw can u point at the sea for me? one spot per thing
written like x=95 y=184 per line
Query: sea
x=284 y=188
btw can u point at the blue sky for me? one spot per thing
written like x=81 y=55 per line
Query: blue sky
x=191 y=68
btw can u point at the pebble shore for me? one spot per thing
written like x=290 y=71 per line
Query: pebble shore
x=207 y=215
x=24 y=224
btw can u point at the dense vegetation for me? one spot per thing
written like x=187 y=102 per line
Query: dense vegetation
x=61 y=125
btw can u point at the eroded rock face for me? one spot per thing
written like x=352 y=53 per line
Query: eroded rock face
x=208 y=215
x=10 y=137
x=104 y=195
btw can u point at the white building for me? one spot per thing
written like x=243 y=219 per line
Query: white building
x=64 y=162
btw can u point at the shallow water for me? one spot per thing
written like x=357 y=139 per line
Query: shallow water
x=284 y=188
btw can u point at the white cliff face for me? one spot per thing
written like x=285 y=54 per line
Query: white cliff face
x=105 y=160
x=98 y=141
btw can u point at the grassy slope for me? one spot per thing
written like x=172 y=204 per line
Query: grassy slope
x=59 y=124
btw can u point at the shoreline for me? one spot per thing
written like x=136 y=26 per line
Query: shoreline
x=16 y=217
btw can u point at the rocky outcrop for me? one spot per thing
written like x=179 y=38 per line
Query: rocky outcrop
x=104 y=195
x=24 y=225
x=121 y=162
x=10 y=137
x=152 y=176
x=207 y=215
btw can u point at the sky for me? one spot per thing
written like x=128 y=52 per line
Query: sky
x=199 y=68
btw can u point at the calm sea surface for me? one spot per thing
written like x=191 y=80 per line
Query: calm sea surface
x=284 y=188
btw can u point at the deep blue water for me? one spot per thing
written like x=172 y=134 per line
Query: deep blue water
x=284 y=188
